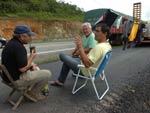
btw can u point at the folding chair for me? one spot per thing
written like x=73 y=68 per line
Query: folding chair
x=15 y=88
x=99 y=72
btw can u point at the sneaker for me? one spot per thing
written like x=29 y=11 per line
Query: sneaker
x=45 y=92
x=31 y=94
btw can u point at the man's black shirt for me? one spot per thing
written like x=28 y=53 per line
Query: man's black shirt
x=14 y=56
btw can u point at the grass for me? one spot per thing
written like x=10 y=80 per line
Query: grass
x=43 y=40
x=41 y=16
x=46 y=59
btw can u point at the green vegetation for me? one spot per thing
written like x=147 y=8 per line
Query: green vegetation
x=40 y=9
x=46 y=59
x=45 y=40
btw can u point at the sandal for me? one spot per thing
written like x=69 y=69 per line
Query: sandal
x=56 y=83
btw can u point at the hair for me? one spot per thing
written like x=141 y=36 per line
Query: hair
x=87 y=24
x=104 y=28
x=17 y=36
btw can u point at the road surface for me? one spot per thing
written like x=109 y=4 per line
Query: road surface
x=121 y=71
x=50 y=47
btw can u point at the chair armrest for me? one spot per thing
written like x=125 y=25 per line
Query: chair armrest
x=82 y=66
x=93 y=68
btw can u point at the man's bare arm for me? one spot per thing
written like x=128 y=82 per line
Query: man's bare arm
x=29 y=64
x=86 y=61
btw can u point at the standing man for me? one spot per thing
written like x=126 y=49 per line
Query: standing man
x=91 y=59
x=18 y=64
x=138 y=37
x=126 y=32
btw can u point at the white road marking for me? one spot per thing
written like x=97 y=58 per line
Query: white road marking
x=52 y=51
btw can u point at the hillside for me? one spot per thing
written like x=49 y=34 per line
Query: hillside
x=40 y=9
x=48 y=18
x=44 y=29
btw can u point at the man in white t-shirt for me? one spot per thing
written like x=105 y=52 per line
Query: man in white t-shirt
x=91 y=59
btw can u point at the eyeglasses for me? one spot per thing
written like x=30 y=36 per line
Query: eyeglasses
x=97 y=30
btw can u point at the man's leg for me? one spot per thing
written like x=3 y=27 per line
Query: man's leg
x=45 y=90
x=126 y=42
x=124 y=46
x=37 y=79
x=63 y=74
x=68 y=63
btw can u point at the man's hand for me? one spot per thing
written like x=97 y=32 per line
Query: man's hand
x=35 y=66
x=29 y=64
x=79 y=42
x=32 y=55
x=83 y=56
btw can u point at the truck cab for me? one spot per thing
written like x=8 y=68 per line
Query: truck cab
x=146 y=34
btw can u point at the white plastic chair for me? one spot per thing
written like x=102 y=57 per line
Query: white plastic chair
x=99 y=72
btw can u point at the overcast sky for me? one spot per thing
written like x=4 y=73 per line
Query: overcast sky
x=124 y=6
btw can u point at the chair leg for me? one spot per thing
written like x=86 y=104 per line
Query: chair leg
x=9 y=97
x=95 y=89
x=15 y=104
x=23 y=94
x=11 y=93
x=29 y=97
x=18 y=102
x=102 y=76
x=74 y=90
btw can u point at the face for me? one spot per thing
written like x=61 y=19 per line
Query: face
x=86 y=30
x=99 y=35
x=25 y=39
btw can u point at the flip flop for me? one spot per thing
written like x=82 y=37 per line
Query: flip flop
x=55 y=83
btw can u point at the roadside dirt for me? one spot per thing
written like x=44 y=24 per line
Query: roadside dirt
x=135 y=97
x=43 y=29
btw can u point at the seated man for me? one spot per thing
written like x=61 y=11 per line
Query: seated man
x=18 y=64
x=88 y=39
x=91 y=59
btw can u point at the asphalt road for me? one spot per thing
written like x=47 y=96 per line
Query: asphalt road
x=50 y=47
x=123 y=67
x=53 y=47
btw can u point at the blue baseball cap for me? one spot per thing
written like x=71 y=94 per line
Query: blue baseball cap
x=23 y=29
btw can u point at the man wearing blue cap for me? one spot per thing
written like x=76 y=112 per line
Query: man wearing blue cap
x=15 y=59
